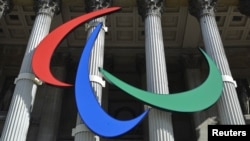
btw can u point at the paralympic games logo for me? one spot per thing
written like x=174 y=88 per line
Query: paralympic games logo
x=95 y=118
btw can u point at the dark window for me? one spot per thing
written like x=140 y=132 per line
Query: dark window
x=243 y=91
x=218 y=18
x=237 y=18
x=6 y=93
x=13 y=17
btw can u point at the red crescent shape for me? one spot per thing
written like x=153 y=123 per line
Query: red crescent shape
x=43 y=53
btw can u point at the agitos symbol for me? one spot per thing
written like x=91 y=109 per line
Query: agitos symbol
x=90 y=110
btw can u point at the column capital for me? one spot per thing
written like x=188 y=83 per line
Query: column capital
x=244 y=7
x=94 y=22
x=199 y=8
x=5 y=6
x=49 y=7
x=92 y=5
x=150 y=7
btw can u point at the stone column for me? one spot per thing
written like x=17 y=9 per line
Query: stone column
x=193 y=77
x=192 y=64
x=141 y=71
x=81 y=132
x=160 y=122
x=51 y=110
x=228 y=105
x=17 y=121
x=4 y=7
x=244 y=8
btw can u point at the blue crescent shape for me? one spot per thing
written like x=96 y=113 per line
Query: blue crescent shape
x=89 y=109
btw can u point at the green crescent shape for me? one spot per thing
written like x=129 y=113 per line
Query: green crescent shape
x=197 y=99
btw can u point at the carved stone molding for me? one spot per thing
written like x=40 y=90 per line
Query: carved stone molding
x=5 y=7
x=199 y=8
x=147 y=7
x=49 y=7
x=244 y=7
x=92 y=5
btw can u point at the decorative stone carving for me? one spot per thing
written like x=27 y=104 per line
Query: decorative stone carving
x=50 y=7
x=198 y=8
x=92 y=5
x=146 y=7
x=5 y=7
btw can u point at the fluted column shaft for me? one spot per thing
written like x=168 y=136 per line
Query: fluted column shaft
x=160 y=122
x=228 y=105
x=96 y=61
x=17 y=121
x=50 y=116
x=97 y=56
